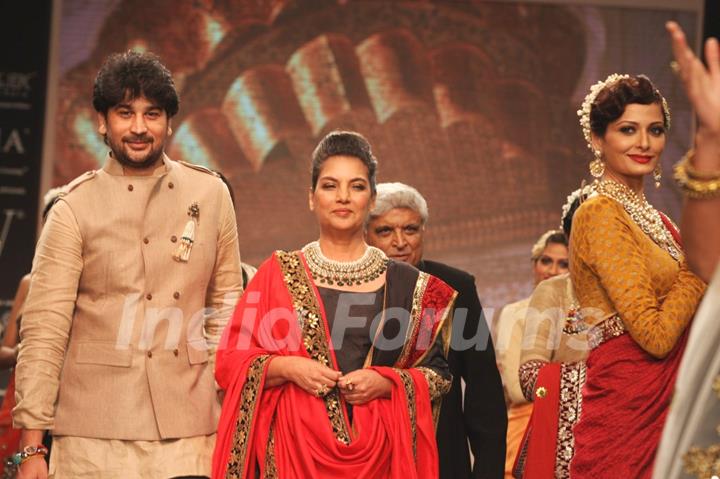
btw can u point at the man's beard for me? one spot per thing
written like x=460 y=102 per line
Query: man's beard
x=148 y=162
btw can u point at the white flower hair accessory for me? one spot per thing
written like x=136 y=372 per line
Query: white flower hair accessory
x=581 y=193
x=541 y=243
x=586 y=107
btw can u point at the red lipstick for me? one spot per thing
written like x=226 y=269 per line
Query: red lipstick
x=642 y=159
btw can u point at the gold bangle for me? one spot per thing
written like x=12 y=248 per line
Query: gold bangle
x=695 y=188
x=695 y=174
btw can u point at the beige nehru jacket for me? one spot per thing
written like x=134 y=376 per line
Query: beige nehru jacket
x=115 y=334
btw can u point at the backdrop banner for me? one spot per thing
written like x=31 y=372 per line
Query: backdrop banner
x=24 y=41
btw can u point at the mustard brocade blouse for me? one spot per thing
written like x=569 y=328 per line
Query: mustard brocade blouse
x=616 y=268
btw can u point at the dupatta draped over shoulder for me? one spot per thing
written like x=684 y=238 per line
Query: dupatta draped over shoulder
x=285 y=432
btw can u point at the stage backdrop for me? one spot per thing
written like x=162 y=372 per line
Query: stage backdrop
x=472 y=102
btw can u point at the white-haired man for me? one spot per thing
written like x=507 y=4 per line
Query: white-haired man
x=397 y=226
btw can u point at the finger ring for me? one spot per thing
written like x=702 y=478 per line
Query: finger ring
x=349 y=385
x=675 y=66
x=322 y=390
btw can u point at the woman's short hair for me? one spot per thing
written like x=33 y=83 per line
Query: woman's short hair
x=610 y=103
x=344 y=143
x=131 y=75
x=399 y=195
x=546 y=239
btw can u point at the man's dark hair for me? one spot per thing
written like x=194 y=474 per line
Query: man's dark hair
x=133 y=74
x=344 y=143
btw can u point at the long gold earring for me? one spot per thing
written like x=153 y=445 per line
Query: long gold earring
x=597 y=166
x=657 y=175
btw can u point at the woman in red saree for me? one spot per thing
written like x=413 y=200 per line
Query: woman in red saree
x=335 y=358
x=633 y=284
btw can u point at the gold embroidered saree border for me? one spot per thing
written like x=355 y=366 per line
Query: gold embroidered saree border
x=246 y=414
x=572 y=379
x=444 y=328
x=270 y=470
x=606 y=330
x=315 y=340
x=415 y=318
x=438 y=387
x=409 y=387
x=528 y=373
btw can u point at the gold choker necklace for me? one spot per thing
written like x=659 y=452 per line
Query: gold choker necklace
x=642 y=213
x=369 y=267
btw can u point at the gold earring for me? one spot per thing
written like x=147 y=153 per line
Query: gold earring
x=657 y=175
x=597 y=166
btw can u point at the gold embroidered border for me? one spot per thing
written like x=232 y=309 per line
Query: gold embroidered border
x=270 y=471
x=444 y=328
x=572 y=379
x=528 y=377
x=438 y=387
x=415 y=318
x=409 y=387
x=702 y=462
x=315 y=341
x=246 y=414
x=605 y=330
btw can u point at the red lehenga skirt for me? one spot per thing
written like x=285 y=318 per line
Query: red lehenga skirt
x=625 y=402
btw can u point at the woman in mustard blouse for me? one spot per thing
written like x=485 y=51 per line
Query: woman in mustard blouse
x=634 y=288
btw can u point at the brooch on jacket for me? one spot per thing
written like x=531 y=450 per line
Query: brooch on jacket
x=188 y=237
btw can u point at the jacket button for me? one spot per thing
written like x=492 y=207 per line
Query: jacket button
x=176 y=352
x=171 y=185
x=148 y=296
x=130 y=187
x=146 y=241
x=149 y=354
x=176 y=295
x=173 y=238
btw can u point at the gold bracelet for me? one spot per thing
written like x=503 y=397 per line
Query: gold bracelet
x=693 y=187
x=695 y=174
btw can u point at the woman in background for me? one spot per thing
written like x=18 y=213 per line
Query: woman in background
x=552 y=370
x=549 y=258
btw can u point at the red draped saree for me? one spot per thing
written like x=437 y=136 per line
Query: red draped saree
x=644 y=300
x=285 y=432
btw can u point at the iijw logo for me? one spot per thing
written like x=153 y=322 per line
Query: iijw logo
x=7 y=219
x=15 y=85
x=11 y=140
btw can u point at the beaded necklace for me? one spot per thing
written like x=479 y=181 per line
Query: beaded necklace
x=642 y=213
x=367 y=268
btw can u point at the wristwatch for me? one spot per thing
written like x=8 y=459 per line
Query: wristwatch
x=27 y=452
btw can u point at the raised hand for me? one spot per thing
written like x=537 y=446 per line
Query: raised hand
x=702 y=84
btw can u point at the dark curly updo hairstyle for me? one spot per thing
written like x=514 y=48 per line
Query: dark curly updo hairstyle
x=133 y=74
x=610 y=103
x=344 y=143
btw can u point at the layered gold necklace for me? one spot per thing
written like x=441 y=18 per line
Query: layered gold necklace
x=367 y=268
x=642 y=213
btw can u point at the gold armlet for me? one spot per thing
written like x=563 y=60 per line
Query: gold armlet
x=694 y=184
